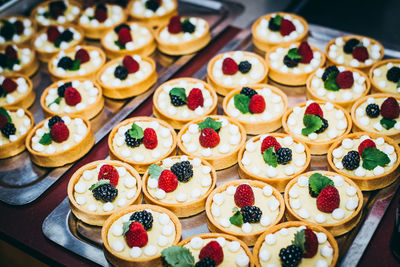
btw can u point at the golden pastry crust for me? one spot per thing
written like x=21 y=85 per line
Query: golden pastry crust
x=30 y=96
x=375 y=87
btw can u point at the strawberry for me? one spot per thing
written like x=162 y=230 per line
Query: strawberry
x=345 y=79
x=167 y=181
x=72 y=96
x=9 y=85
x=175 y=25
x=52 y=33
x=150 y=138
x=136 y=236
x=390 y=108
x=310 y=244
x=109 y=172
x=101 y=13
x=314 y=109
x=59 y=132
x=244 y=196
x=268 y=142
x=209 y=138
x=124 y=36
x=257 y=104
x=305 y=52
x=229 y=66
x=130 y=64
x=360 y=53
x=287 y=27
x=195 y=99
x=3 y=121
x=212 y=250
x=82 y=55
x=11 y=53
x=19 y=27
x=328 y=200
x=364 y=144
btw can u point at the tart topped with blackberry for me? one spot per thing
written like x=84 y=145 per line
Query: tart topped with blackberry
x=16 y=91
x=16 y=30
x=18 y=59
x=385 y=76
x=56 y=12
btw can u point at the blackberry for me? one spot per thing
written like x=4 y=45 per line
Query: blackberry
x=176 y=101
x=205 y=262
x=66 y=36
x=120 y=27
x=328 y=71
x=152 y=5
x=324 y=126
x=57 y=8
x=8 y=30
x=291 y=256
x=284 y=155
x=372 y=110
x=183 y=171
x=53 y=120
x=351 y=161
x=8 y=129
x=187 y=26
x=121 y=73
x=393 y=74
x=349 y=45
x=290 y=63
x=61 y=89
x=248 y=91
x=273 y=26
x=3 y=60
x=251 y=214
x=19 y=27
x=102 y=6
x=66 y=63
x=244 y=66
x=105 y=193
x=132 y=142
x=311 y=192
x=144 y=217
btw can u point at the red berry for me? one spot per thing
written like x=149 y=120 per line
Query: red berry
x=11 y=53
x=195 y=99
x=229 y=66
x=311 y=243
x=390 y=108
x=345 y=79
x=109 y=172
x=268 y=142
x=314 y=109
x=9 y=85
x=175 y=25
x=257 y=104
x=130 y=64
x=136 y=236
x=52 y=33
x=82 y=55
x=328 y=200
x=72 y=96
x=167 y=181
x=209 y=138
x=212 y=250
x=360 y=53
x=305 y=52
x=287 y=27
x=19 y=27
x=3 y=121
x=100 y=14
x=364 y=144
x=59 y=132
x=124 y=36
x=150 y=138
x=244 y=196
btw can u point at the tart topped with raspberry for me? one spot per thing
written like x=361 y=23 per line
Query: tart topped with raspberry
x=16 y=91
x=183 y=35
x=181 y=100
x=16 y=29
x=18 y=59
x=385 y=76
x=56 y=12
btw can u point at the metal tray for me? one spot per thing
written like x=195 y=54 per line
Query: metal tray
x=21 y=181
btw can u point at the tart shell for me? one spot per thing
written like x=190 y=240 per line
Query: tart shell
x=25 y=101
x=375 y=87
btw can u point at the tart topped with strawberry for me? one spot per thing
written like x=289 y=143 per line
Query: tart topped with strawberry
x=56 y=12
x=385 y=76
x=16 y=90
x=14 y=59
x=16 y=29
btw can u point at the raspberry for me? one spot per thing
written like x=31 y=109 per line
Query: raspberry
x=284 y=155
x=65 y=63
x=121 y=72
x=109 y=172
x=257 y=104
x=305 y=52
x=150 y=138
x=212 y=250
x=286 y=27
x=345 y=79
x=364 y=144
x=390 y=108
x=52 y=33
x=311 y=243
x=328 y=71
x=247 y=91
x=59 y=132
x=19 y=27
x=53 y=120
x=183 y=171
x=82 y=55
x=11 y=53
x=209 y=138
x=124 y=36
x=130 y=64
x=360 y=53
x=119 y=27
x=101 y=13
x=105 y=193
x=72 y=96
x=268 y=142
x=144 y=217
x=167 y=181
x=3 y=121
x=175 y=25
x=244 y=196
x=290 y=256
x=195 y=99
x=349 y=45
x=9 y=85
x=8 y=129
x=136 y=236
x=314 y=109
x=351 y=160
x=328 y=200
x=244 y=66
x=393 y=74
x=251 y=214
x=229 y=66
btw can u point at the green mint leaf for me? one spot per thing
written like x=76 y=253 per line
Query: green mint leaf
x=237 y=218
x=373 y=157
x=57 y=43
x=398 y=84
x=293 y=54
x=210 y=123
x=242 y=103
x=179 y=92
x=3 y=93
x=121 y=46
x=125 y=227
x=312 y=123
x=11 y=62
x=99 y=183
x=46 y=139
x=76 y=65
x=136 y=131
x=299 y=239
x=57 y=101
x=387 y=123
x=270 y=157
x=155 y=171
x=330 y=82
x=178 y=256
x=277 y=19
x=4 y=112
x=318 y=181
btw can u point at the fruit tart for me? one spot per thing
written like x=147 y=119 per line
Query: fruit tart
x=57 y=141
x=56 y=12
x=16 y=91
x=178 y=101
x=18 y=59
x=385 y=76
x=228 y=71
x=371 y=160
x=100 y=188
x=216 y=139
x=15 y=123
x=142 y=141
x=127 y=76
x=73 y=96
x=180 y=184
x=292 y=64
x=324 y=198
x=79 y=62
x=136 y=235
x=153 y=13
x=274 y=159
x=51 y=40
x=318 y=124
x=355 y=51
x=296 y=243
x=377 y=113
x=99 y=19
x=244 y=209
x=16 y=30
x=183 y=35
x=210 y=249
x=127 y=39
x=341 y=85
x=259 y=108
x=278 y=28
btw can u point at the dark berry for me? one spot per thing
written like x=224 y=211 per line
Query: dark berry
x=105 y=193
x=290 y=63
x=328 y=71
x=324 y=126
x=101 y=6
x=132 y=142
x=3 y=60
x=8 y=129
x=66 y=36
x=8 y=30
x=53 y=120
x=251 y=214
x=273 y=26
x=351 y=161
x=183 y=171
x=205 y=262
x=61 y=89
x=349 y=45
x=19 y=27
x=176 y=101
x=57 y=8
x=152 y=5
x=121 y=73
x=372 y=110
x=244 y=66
x=393 y=74
x=311 y=192
x=290 y=256
x=119 y=27
x=66 y=63
x=284 y=155
x=187 y=26
x=248 y=91
x=144 y=217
